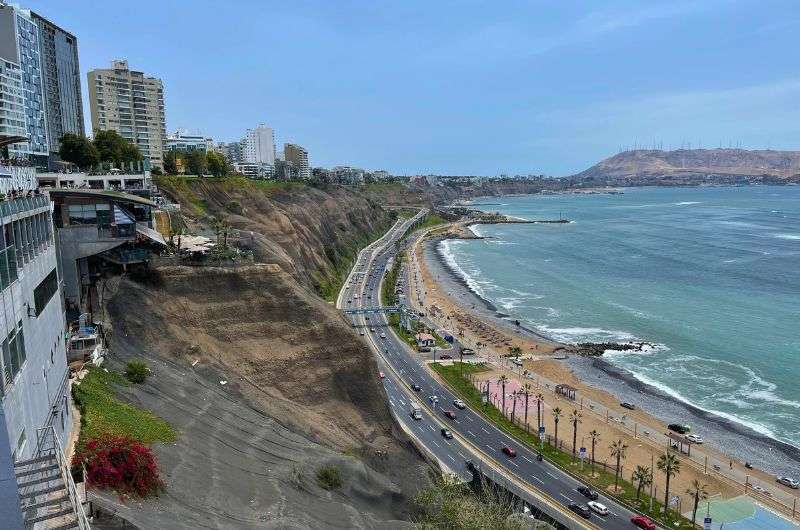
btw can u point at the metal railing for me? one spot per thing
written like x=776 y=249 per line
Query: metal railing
x=22 y=204
x=48 y=442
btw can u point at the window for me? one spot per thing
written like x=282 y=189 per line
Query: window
x=44 y=292
x=82 y=214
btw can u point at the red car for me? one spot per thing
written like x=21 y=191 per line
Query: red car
x=643 y=522
x=381 y=375
x=450 y=414
x=509 y=452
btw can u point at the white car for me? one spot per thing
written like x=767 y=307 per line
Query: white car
x=762 y=491
x=459 y=404
x=596 y=507
x=694 y=438
x=789 y=482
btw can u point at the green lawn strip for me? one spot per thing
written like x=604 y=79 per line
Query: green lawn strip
x=563 y=459
x=102 y=413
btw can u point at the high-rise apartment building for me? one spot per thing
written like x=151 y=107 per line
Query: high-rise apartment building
x=185 y=140
x=39 y=84
x=132 y=104
x=298 y=156
x=62 y=82
x=259 y=146
x=23 y=79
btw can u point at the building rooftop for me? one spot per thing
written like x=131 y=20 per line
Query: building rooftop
x=101 y=194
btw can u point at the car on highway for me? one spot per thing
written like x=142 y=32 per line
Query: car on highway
x=366 y=317
x=447 y=434
x=581 y=509
x=459 y=404
x=382 y=375
x=678 y=428
x=643 y=522
x=450 y=414
x=626 y=405
x=598 y=508
x=361 y=333
x=372 y=330
x=788 y=481
x=445 y=356
x=383 y=335
x=433 y=399
x=508 y=451
x=694 y=438
x=587 y=492
x=415 y=387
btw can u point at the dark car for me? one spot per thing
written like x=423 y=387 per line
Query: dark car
x=587 y=492
x=626 y=405
x=509 y=451
x=445 y=357
x=415 y=387
x=450 y=414
x=581 y=509
x=680 y=429
x=447 y=434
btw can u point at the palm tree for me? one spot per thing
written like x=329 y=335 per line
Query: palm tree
x=503 y=380
x=617 y=451
x=527 y=389
x=670 y=466
x=595 y=436
x=513 y=405
x=539 y=409
x=698 y=493
x=643 y=476
x=574 y=419
x=557 y=414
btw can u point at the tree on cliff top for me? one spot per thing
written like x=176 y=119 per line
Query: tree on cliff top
x=78 y=150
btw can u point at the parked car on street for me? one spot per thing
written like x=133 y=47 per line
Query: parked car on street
x=678 y=428
x=694 y=438
x=626 y=405
x=789 y=482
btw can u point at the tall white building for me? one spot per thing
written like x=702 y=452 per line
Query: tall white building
x=259 y=146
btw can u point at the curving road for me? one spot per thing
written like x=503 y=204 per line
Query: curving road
x=475 y=438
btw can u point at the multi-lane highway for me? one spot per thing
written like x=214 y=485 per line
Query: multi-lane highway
x=475 y=438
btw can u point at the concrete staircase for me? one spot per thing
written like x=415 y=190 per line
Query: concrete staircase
x=47 y=492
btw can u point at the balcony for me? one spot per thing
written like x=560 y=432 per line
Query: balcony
x=22 y=204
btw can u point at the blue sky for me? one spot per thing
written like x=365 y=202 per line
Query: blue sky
x=461 y=87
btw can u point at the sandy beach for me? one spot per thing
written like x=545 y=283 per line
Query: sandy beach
x=600 y=387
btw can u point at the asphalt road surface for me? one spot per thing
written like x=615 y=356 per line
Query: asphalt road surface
x=403 y=367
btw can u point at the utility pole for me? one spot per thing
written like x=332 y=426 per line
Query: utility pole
x=652 y=479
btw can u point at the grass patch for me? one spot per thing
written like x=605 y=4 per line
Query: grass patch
x=102 y=414
x=329 y=478
x=563 y=459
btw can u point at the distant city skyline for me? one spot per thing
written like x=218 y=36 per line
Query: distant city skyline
x=463 y=87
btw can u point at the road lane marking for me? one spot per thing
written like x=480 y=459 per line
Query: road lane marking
x=526 y=459
x=484 y=430
x=451 y=458
x=471 y=433
x=513 y=463
x=562 y=495
x=537 y=479
x=551 y=475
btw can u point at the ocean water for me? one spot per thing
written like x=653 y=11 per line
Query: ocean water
x=710 y=275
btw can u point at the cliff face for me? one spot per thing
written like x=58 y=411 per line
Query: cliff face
x=694 y=166
x=310 y=233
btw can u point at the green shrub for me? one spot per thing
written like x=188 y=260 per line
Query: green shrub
x=136 y=372
x=328 y=477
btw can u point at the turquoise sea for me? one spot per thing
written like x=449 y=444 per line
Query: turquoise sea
x=710 y=275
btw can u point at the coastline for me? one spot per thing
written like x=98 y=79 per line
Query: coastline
x=730 y=438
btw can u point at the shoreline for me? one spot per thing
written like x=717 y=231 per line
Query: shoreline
x=730 y=438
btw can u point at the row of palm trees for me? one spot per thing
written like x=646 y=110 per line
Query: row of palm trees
x=667 y=463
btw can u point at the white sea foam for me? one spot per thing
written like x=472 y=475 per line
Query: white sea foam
x=687 y=203
x=476 y=230
x=447 y=247
x=791 y=237
x=585 y=334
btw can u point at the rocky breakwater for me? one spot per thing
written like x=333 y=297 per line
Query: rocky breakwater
x=597 y=349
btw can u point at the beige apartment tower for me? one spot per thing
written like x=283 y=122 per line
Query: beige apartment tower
x=298 y=156
x=132 y=104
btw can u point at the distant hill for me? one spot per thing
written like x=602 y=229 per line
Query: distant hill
x=693 y=166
